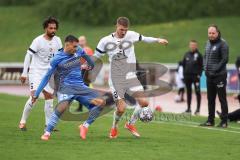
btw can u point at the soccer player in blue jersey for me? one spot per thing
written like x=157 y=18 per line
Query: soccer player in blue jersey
x=68 y=80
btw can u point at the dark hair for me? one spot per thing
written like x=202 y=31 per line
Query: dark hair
x=193 y=40
x=50 y=20
x=217 y=29
x=71 y=38
x=124 y=21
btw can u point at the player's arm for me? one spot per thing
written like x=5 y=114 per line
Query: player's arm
x=100 y=49
x=153 y=40
x=89 y=61
x=44 y=81
x=90 y=64
x=26 y=65
x=27 y=61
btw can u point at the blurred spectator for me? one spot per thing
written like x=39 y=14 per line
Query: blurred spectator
x=192 y=70
x=180 y=83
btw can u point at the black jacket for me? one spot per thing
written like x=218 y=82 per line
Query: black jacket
x=192 y=64
x=216 y=58
x=238 y=65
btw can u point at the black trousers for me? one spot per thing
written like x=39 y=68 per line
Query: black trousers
x=189 y=80
x=217 y=86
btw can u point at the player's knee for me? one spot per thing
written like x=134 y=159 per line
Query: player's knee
x=47 y=95
x=121 y=105
x=121 y=110
x=143 y=103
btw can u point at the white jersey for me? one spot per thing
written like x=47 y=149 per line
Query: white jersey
x=42 y=51
x=120 y=52
x=112 y=45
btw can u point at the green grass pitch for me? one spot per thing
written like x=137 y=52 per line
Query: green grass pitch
x=165 y=139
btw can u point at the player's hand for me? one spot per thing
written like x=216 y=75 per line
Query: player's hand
x=163 y=41
x=86 y=67
x=34 y=99
x=23 y=79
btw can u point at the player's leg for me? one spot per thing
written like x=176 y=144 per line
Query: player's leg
x=48 y=107
x=33 y=84
x=130 y=125
x=138 y=93
x=60 y=108
x=121 y=105
x=26 y=111
x=95 y=106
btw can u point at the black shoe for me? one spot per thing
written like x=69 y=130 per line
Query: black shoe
x=207 y=124
x=219 y=114
x=188 y=111
x=223 y=124
x=197 y=112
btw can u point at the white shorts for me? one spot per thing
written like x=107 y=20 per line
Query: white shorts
x=126 y=88
x=35 y=78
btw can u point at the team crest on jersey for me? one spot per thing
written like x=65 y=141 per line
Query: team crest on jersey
x=195 y=56
x=50 y=49
x=214 y=48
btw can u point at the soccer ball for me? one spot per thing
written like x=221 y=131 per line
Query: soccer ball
x=145 y=114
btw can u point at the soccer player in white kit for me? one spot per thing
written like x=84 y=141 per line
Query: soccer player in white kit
x=37 y=61
x=119 y=46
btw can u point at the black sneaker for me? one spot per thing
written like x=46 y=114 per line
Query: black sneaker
x=197 y=112
x=223 y=124
x=207 y=124
x=188 y=111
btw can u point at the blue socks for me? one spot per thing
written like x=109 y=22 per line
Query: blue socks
x=53 y=121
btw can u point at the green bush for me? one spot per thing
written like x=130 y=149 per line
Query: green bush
x=18 y=2
x=102 y=12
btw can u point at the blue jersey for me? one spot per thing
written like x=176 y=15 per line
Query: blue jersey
x=67 y=70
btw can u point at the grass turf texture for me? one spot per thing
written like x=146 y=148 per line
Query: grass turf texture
x=168 y=140
x=20 y=25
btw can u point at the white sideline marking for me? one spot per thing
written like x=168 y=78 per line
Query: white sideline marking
x=196 y=126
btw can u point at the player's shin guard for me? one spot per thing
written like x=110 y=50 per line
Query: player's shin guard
x=93 y=114
x=48 y=109
x=134 y=116
x=53 y=121
x=27 y=109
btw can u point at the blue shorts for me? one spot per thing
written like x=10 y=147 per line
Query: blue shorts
x=84 y=95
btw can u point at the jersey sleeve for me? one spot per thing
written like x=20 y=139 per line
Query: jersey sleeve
x=135 y=37
x=100 y=50
x=80 y=52
x=34 y=47
x=60 y=47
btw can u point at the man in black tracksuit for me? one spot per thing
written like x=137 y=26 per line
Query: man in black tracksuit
x=192 y=70
x=215 y=61
x=238 y=71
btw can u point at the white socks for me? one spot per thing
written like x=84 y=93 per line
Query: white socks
x=48 y=109
x=134 y=116
x=116 y=119
x=27 y=109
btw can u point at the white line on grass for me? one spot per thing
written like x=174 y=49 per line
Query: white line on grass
x=196 y=126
